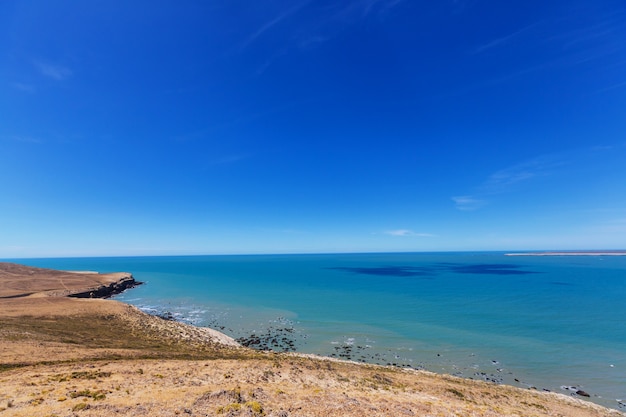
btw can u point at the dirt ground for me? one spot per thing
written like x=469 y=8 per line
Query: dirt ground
x=63 y=356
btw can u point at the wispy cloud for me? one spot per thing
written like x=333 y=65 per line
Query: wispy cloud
x=501 y=41
x=611 y=87
x=580 y=42
x=287 y=231
x=270 y=60
x=569 y=163
x=468 y=202
x=505 y=180
x=54 y=71
x=605 y=26
x=406 y=232
x=328 y=21
x=357 y=10
x=502 y=180
x=273 y=22
x=27 y=88
x=552 y=45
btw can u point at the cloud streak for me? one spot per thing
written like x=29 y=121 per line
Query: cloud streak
x=406 y=233
x=53 y=71
x=329 y=21
x=27 y=88
x=468 y=202
x=502 y=180
x=502 y=40
x=271 y=23
x=356 y=10
x=570 y=163
x=505 y=180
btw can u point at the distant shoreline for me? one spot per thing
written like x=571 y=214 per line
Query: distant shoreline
x=570 y=253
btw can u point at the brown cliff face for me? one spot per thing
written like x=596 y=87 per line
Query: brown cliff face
x=106 y=291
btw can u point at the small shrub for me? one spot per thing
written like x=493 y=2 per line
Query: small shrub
x=80 y=406
x=96 y=395
x=539 y=406
x=229 y=407
x=255 y=407
x=80 y=375
x=456 y=392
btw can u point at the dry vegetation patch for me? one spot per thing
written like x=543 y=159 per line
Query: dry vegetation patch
x=298 y=387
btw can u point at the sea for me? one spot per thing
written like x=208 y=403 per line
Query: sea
x=554 y=323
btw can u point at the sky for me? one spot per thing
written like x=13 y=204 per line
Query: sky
x=272 y=126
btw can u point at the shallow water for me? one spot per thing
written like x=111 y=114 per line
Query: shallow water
x=548 y=322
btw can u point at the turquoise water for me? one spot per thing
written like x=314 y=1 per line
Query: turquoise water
x=550 y=322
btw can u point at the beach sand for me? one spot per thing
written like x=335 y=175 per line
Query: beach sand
x=62 y=356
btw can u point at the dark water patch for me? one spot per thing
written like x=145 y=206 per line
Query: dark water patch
x=394 y=271
x=435 y=269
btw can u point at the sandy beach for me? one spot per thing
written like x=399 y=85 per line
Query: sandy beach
x=66 y=356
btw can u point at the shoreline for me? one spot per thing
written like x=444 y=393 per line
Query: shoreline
x=569 y=253
x=487 y=369
x=79 y=335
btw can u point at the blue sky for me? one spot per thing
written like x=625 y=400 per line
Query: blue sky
x=201 y=127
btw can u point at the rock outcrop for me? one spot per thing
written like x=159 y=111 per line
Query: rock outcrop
x=106 y=291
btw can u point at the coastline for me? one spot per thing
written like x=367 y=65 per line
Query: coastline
x=79 y=335
x=569 y=253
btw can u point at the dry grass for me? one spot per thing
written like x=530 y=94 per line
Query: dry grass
x=126 y=333
x=276 y=385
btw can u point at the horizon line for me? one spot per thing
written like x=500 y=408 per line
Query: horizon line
x=504 y=252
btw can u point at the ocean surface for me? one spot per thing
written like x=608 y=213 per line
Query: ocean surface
x=554 y=322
